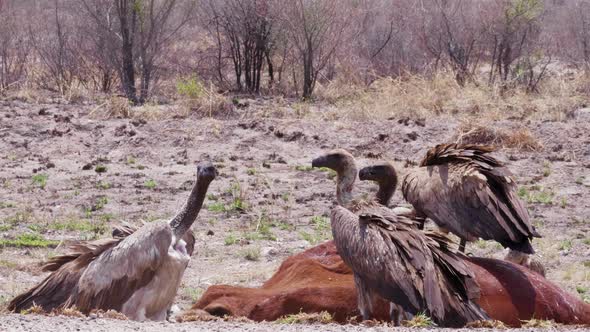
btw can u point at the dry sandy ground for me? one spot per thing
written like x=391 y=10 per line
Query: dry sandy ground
x=266 y=204
x=40 y=323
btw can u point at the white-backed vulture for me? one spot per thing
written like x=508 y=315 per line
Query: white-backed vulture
x=415 y=270
x=344 y=164
x=468 y=192
x=136 y=273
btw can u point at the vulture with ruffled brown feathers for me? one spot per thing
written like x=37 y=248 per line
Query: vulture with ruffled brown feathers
x=137 y=273
x=468 y=192
x=413 y=269
x=344 y=164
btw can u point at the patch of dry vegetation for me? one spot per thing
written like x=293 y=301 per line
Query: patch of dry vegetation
x=35 y=309
x=474 y=133
x=487 y=324
x=111 y=314
x=74 y=312
x=196 y=315
x=419 y=96
x=420 y=320
x=68 y=312
x=203 y=98
x=539 y=323
x=323 y=317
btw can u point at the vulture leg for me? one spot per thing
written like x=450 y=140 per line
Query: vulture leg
x=462 y=245
x=365 y=298
x=422 y=217
x=395 y=313
x=421 y=225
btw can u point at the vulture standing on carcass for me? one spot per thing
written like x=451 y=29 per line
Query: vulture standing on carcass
x=413 y=269
x=136 y=273
x=471 y=194
x=344 y=164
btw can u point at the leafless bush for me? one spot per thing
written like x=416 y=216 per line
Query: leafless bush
x=99 y=50
x=14 y=48
x=316 y=28
x=452 y=32
x=513 y=32
x=136 y=34
x=243 y=30
x=56 y=48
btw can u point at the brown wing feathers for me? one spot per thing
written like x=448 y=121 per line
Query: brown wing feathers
x=498 y=195
x=440 y=276
x=56 y=288
x=446 y=153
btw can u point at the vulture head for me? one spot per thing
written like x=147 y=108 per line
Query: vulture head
x=380 y=173
x=343 y=163
x=385 y=175
x=339 y=160
x=206 y=172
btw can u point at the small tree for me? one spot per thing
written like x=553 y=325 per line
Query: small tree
x=316 y=29
x=513 y=34
x=14 y=48
x=452 y=28
x=56 y=47
x=141 y=31
x=246 y=26
x=158 y=23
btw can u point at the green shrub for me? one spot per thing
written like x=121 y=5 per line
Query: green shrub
x=190 y=88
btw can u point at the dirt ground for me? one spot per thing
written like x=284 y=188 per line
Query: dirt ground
x=66 y=174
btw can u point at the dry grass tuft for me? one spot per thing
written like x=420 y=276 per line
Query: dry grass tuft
x=118 y=106
x=111 y=314
x=196 y=315
x=375 y=323
x=202 y=97
x=35 y=309
x=487 y=324
x=237 y=319
x=68 y=312
x=539 y=323
x=323 y=317
x=420 y=320
x=473 y=133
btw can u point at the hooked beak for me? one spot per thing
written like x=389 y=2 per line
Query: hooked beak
x=206 y=170
x=319 y=162
x=364 y=174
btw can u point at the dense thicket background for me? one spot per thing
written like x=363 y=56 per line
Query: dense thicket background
x=161 y=50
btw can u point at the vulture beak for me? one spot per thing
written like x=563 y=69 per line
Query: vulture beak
x=365 y=173
x=319 y=162
x=206 y=171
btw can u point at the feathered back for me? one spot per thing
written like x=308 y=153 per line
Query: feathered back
x=472 y=194
x=448 y=153
x=411 y=268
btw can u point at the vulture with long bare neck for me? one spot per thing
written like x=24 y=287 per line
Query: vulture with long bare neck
x=137 y=273
x=344 y=164
x=391 y=258
x=473 y=195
